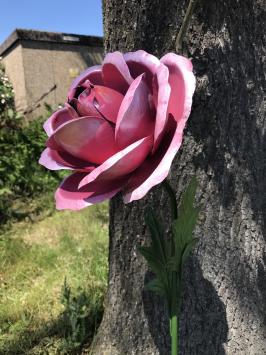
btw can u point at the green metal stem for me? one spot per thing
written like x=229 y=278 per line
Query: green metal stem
x=174 y=335
x=175 y=311
x=173 y=317
x=184 y=26
x=171 y=194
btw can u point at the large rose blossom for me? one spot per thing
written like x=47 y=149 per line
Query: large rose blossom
x=121 y=127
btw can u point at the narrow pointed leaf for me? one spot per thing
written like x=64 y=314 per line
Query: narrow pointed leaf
x=184 y=226
x=172 y=196
x=188 y=197
x=156 y=286
x=154 y=263
x=188 y=250
x=157 y=235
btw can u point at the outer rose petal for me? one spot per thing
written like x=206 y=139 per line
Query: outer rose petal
x=94 y=74
x=58 y=118
x=155 y=169
x=161 y=90
x=122 y=163
x=86 y=138
x=56 y=160
x=134 y=119
x=142 y=62
x=183 y=83
x=68 y=196
x=116 y=74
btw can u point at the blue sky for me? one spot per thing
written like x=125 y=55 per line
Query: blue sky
x=81 y=17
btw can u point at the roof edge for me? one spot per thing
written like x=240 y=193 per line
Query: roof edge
x=12 y=39
x=46 y=36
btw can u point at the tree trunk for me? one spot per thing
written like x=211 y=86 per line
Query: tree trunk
x=224 y=300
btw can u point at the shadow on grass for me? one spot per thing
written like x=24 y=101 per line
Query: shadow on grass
x=64 y=335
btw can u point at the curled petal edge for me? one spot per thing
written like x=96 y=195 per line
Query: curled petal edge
x=158 y=173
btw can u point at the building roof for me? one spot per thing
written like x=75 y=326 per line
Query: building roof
x=45 y=36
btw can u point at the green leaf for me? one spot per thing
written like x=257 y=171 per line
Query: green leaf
x=188 y=197
x=157 y=235
x=171 y=194
x=156 y=286
x=188 y=250
x=173 y=263
x=166 y=257
x=156 y=265
x=184 y=226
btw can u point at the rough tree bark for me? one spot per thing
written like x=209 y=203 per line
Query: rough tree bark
x=224 y=308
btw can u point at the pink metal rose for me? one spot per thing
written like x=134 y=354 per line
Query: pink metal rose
x=120 y=128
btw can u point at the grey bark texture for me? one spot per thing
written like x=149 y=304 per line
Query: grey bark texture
x=224 y=300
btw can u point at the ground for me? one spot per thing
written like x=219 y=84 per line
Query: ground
x=38 y=313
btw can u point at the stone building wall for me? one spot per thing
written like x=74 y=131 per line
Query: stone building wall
x=13 y=61
x=41 y=67
x=52 y=65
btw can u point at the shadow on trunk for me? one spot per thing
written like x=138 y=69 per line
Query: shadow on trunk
x=202 y=306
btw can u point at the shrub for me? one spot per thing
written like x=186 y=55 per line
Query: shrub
x=21 y=177
x=8 y=115
x=81 y=317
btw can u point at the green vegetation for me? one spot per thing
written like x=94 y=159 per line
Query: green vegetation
x=7 y=106
x=22 y=178
x=53 y=265
x=21 y=144
x=40 y=313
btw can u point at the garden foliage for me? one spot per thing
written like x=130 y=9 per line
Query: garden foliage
x=21 y=143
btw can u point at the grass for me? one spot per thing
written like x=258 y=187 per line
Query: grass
x=35 y=258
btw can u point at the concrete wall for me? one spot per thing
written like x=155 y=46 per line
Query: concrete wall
x=13 y=61
x=35 y=68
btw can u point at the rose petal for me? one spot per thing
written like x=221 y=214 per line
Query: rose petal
x=142 y=62
x=182 y=82
x=134 y=119
x=116 y=74
x=58 y=118
x=155 y=169
x=87 y=138
x=122 y=163
x=100 y=99
x=108 y=102
x=56 y=160
x=85 y=107
x=94 y=74
x=161 y=90
x=69 y=196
